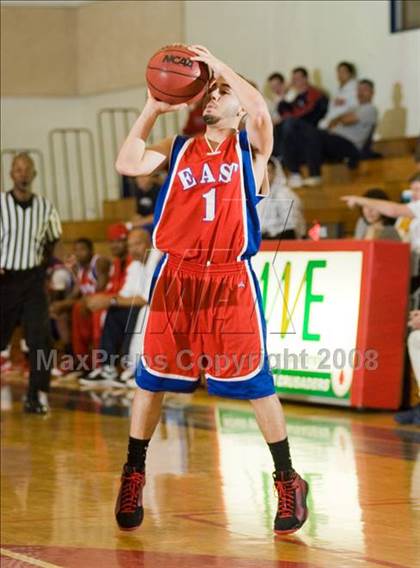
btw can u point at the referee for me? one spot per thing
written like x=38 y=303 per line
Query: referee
x=29 y=227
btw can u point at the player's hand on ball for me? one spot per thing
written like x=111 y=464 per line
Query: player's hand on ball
x=204 y=55
x=160 y=107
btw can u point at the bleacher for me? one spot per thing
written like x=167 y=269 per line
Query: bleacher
x=321 y=203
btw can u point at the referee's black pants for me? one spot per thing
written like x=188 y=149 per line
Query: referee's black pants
x=23 y=300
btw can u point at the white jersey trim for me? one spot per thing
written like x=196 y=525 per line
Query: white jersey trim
x=243 y=193
x=146 y=321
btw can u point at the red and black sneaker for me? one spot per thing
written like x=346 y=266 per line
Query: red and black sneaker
x=291 y=511
x=129 y=507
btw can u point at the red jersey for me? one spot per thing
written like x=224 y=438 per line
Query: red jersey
x=206 y=210
x=87 y=277
x=117 y=275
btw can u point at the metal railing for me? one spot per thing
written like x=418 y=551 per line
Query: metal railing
x=74 y=185
x=116 y=122
x=73 y=164
x=113 y=125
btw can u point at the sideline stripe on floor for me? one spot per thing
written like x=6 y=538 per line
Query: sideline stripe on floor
x=27 y=559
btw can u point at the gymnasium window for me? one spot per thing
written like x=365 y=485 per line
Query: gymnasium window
x=405 y=15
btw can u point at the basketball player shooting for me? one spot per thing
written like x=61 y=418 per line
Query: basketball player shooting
x=205 y=315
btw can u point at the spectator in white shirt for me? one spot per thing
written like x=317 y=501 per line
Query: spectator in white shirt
x=281 y=212
x=278 y=88
x=343 y=141
x=345 y=98
x=146 y=269
x=123 y=309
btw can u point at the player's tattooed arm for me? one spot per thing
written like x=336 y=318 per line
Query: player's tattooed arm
x=258 y=120
x=135 y=158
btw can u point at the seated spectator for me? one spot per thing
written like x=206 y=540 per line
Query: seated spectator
x=60 y=284
x=277 y=86
x=91 y=270
x=146 y=268
x=357 y=125
x=60 y=279
x=371 y=224
x=412 y=415
x=412 y=211
x=195 y=123
x=117 y=236
x=90 y=275
x=145 y=191
x=309 y=105
x=123 y=308
x=281 y=212
x=394 y=210
x=345 y=98
x=344 y=140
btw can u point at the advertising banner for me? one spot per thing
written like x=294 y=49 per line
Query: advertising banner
x=311 y=303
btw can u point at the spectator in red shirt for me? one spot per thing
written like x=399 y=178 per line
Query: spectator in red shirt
x=90 y=274
x=310 y=103
x=117 y=236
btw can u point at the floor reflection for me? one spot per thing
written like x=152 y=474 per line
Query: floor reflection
x=209 y=489
x=323 y=453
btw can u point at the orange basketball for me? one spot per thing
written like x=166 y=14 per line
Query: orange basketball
x=172 y=76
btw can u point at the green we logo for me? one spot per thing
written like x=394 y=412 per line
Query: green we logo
x=291 y=295
x=311 y=305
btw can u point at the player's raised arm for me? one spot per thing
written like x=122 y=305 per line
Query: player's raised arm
x=135 y=158
x=258 y=123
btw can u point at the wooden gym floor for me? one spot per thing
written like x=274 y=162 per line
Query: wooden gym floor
x=209 y=500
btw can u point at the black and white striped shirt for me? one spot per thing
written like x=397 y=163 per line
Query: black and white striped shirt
x=25 y=228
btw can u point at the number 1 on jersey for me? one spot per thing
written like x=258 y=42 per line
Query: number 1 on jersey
x=210 y=198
